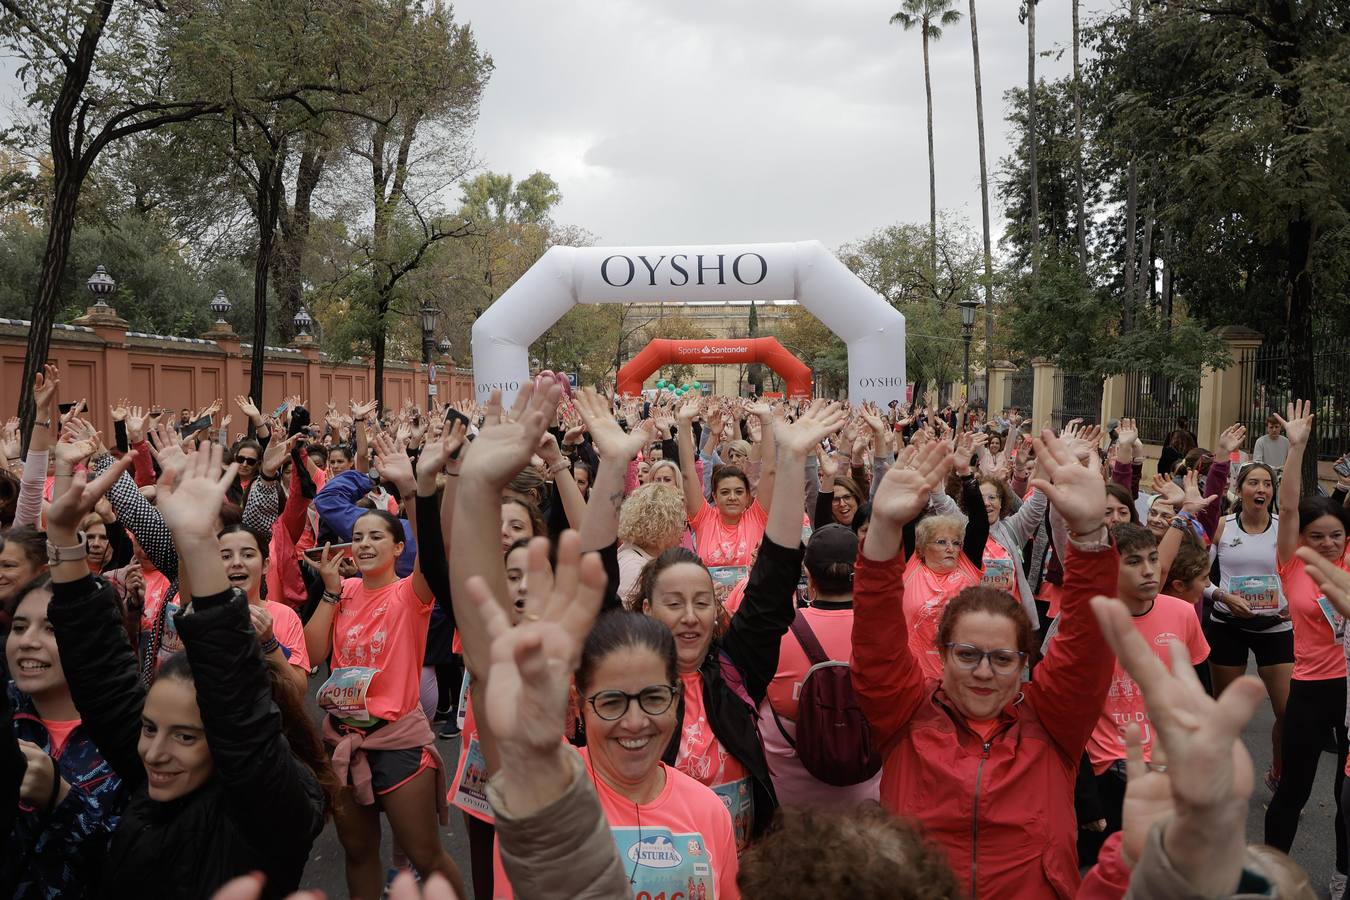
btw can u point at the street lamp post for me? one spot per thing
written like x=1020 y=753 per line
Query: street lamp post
x=968 y=307
x=430 y=313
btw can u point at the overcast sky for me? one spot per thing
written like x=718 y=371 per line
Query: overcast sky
x=745 y=120
x=742 y=120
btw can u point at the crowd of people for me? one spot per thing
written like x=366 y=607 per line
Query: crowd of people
x=690 y=647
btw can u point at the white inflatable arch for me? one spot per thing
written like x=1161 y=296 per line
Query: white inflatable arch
x=872 y=329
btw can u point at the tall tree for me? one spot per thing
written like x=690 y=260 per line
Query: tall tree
x=755 y=375
x=96 y=69
x=1080 y=216
x=984 y=208
x=1033 y=190
x=930 y=16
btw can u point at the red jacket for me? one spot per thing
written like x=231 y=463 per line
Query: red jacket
x=1003 y=811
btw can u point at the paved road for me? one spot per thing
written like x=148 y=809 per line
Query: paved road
x=1315 y=848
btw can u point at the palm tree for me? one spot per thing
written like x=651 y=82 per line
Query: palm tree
x=1028 y=15
x=984 y=210
x=1081 y=218
x=930 y=16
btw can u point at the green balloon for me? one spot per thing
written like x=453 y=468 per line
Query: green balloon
x=662 y=383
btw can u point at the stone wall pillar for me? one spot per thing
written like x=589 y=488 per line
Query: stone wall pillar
x=1042 y=393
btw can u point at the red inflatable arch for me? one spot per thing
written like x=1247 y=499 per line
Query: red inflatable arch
x=766 y=350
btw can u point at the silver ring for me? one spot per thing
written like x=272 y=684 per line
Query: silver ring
x=1157 y=768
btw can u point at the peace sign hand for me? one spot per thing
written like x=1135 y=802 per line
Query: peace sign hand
x=531 y=664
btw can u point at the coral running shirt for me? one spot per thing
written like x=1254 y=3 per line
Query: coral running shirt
x=290 y=633
x=1318 y=628
x=702 y=757
x=679 y=846
x=926 y=596
x=1170 y=619
x=720 y=544
x=385 y=630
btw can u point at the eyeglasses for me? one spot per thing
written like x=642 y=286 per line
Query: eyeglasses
x=246 y=460
x=944 y=543
x=1003 y=662
x=844 y=499
x=613 y=705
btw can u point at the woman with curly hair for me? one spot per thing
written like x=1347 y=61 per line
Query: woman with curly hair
x=651 y=520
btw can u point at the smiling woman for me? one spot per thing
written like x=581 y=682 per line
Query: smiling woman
x=71 y=797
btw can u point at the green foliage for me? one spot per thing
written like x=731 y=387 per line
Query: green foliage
x=928 y=15
x=158 y=289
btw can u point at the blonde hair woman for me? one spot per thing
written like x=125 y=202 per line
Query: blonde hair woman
x=651 y=520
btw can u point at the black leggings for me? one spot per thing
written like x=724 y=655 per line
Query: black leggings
x=482 y=838
x=1315 y=711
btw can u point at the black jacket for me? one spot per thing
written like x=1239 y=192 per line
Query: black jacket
x=750 y=647
x=261 y=810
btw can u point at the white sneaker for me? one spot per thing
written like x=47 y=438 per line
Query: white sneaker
x=1337 y=886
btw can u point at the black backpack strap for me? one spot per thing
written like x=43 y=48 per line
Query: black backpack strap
x=801 y=629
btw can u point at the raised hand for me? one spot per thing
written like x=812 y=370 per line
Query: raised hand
x=504 y=446
x=45 y=384
x=329 y=567
x=532 y=663
x=274 y=455
x=1232 y=438
x=261 y=620
x=1298 y=425
x=190 y=498
x=395 y=466
x=797 y=439
x=829 y=465
x=79 y=407
x=135 y=425
x=1169 y=490
x=1193 y=501
x=167 y=448
x=1077 y=491
x=78 y=442
x=11 y=444
x=75 y=496
x=905 y=489
x=611 y=441
x=248 y=408
x=1127 y=435
x=119 y=412
x=1148 y=793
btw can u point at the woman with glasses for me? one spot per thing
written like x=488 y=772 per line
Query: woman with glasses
x=983 y=762
x=248 y=455
x=674 y=835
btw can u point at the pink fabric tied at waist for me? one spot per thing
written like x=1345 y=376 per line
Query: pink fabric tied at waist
x=351 y=765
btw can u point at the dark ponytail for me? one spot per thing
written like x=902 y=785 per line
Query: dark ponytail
x=618 y=630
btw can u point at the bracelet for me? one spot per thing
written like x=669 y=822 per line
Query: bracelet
x=451 y=474
x=559 y=466
x=330 y=597
x=271 y=645
x=45 y=423
x=273 y=477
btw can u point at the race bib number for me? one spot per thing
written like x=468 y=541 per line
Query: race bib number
x=1334 y=619
x=462 y=709
x=471 y=783
x=170 y=641
x=739 y=800
x=343 y=695
x=725 y=578
x=999 y=574
x=1262 y=592
x=665 y=865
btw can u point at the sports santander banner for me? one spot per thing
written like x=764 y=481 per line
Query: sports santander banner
x=806 y=272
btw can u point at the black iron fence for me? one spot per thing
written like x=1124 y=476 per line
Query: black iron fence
x=1076 y=397
x=1266 y=385
x=1159 y=404
x=1020 y=386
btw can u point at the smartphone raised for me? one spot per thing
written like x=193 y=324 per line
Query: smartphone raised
x=315 y=554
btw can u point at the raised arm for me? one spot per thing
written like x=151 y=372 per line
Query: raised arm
x=693 y=487
x=99 y=663
x=886 y=677
x=361 y=413
x=617 y=449
x=391 y=457
x=1298 y=428
x=28 y=509
x=1072 y=681
x=267 y=786
x=768 y=458
x=756 y=632
x=560 y=470
x=972 y=501
x=502 y=449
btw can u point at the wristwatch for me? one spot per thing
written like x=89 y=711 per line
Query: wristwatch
x=78 y=551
